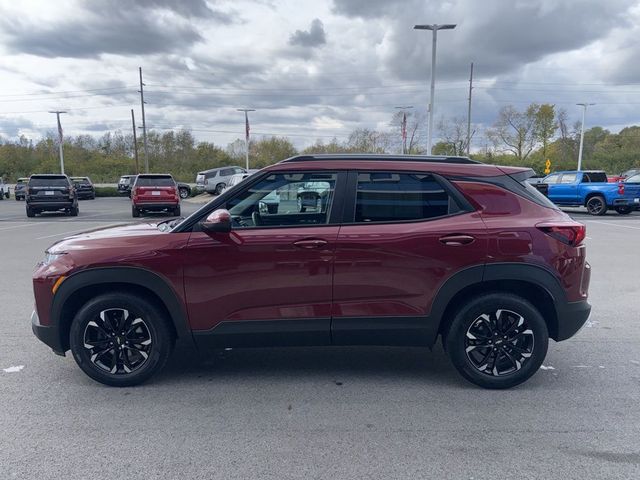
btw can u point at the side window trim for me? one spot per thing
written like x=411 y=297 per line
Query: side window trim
x=351 y=189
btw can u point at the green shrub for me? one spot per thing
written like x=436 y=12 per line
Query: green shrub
x=107 y=192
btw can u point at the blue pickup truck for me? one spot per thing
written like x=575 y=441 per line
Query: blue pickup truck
x=590 y=189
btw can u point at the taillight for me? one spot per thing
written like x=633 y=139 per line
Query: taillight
x=621 y=188
x=572 y=235
x=134 y=191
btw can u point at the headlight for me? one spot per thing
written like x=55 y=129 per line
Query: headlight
x=49 y=258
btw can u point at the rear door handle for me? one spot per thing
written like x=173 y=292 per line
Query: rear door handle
x=310 y=243
x=457 y=240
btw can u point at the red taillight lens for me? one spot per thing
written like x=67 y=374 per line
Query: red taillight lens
x=568 y=234
x=134 y=191
x=621 y=189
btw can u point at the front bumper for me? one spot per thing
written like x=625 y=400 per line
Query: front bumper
x=571 y=319
x=47 y=334
x=86 y=194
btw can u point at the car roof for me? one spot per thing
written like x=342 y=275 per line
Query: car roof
x=217 y=168
x=380 y=157
x=154 y=175
x=399 y=163
x=48 y=175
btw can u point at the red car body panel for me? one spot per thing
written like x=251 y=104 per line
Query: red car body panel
x=395 y=269
x=259 y=274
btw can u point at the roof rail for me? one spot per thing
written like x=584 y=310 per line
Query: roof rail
x=380 y=157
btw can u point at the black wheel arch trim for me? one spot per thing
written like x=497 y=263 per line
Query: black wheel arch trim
x=523 y=272
x=134 y=276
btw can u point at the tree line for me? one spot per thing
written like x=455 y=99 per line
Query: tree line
x=526 y=137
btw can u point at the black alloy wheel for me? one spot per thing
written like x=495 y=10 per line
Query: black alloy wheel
x=596 y=206
x=497 y=340
x=499 y=343
x=120 y=339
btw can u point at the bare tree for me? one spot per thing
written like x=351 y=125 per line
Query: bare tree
x=453 y=135
x=514 y=131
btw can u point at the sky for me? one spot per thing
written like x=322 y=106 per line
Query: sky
x=312 y=70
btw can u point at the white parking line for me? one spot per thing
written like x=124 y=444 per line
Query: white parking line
x=614 y=224
x=30 y=224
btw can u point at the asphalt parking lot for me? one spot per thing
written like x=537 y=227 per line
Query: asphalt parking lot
x=321 y=412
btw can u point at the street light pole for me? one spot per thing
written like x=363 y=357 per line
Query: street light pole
x=247 y=130
x=403 y=126
x=60 y=139
x=584 y=113
x=434 y=28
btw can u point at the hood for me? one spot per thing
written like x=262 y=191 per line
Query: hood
x=104 y=236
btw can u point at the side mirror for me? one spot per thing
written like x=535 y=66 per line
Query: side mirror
x=218 y=221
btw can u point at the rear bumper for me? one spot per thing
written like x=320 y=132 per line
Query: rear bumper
x=571 y=319
x=625 y=202
x=47 y=334
x=155 y=206
x=51 y=205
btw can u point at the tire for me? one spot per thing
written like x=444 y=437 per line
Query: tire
x=135 y=213
x=7 y=194
x=73 y=211
x=30 y=212
x=478 y=317
x=117 y=359
x=219 y=189
x=176 y=211
x=624 y=210
x=184 y=193
x=596 y=205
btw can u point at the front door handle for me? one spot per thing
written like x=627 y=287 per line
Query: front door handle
x=310 y=243
x=456 y=240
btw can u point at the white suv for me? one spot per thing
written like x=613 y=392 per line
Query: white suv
x=213 y=181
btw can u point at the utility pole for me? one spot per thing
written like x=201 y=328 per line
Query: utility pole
x=584 y=113
x=135 y=141
x=403 y=126
x=144 y=125
x=60 y=139
x=434 y=28
x=247 y=132
x=469 y=112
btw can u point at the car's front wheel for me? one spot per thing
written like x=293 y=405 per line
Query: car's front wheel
x=497 y=340
x=120 y=339
x=184 y=193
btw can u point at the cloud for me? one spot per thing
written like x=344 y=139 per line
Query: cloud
x=108 y=27
x=13 y=127
x=314 y=37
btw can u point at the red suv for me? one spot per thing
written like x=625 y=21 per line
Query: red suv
x=401 y=251
x=155 y=193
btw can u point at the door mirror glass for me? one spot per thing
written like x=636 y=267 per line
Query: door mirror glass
x=217 y=221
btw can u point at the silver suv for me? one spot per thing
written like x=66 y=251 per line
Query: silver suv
x=213 y=181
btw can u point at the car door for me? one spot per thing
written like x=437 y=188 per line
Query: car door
x=405 y=234
x=268 y=281
x=566 y=190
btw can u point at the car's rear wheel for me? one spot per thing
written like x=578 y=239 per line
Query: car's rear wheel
x=596 y=205
x=624 y=210
x=135 y=213
x=73 y=211
x=120 y=339
x=497 y=340
x=219 y=189
x=30 y=212
x=176 y=211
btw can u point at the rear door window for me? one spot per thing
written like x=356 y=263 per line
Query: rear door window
x=401 y=197
x=551 y=179
x=568 y=178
